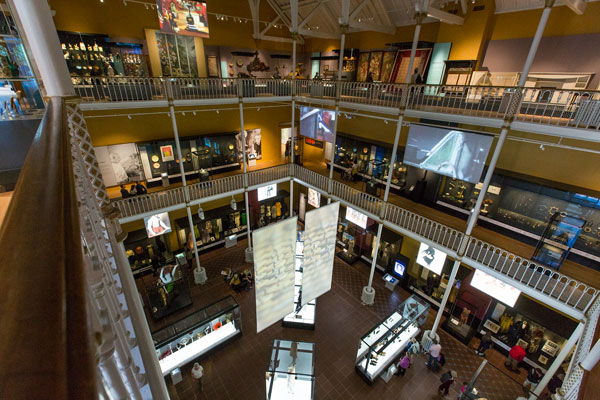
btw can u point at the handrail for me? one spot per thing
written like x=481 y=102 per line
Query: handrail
x=45 y=350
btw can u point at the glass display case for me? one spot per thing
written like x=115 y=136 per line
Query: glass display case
x=202 y=155
x=196 y=334
x=169 y=292
x=218 y=224
x=291 y=371
x=145 y=254
x=525 y=208
x=272 y=209
x=127 y=59
x=177 y=55
x=85 y=54
x=386 y=341
x=303 y=316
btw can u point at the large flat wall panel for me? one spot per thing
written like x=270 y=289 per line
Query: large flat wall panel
x=274 y=262
x=319 y=251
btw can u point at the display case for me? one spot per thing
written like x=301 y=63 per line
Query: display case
x=169 y=292
x=211 y=231
x=146 y=254
x=386 y=341
x=303 y=316
x=196 y=334
x=272 y=209
x=127 y=59
x=291 y=371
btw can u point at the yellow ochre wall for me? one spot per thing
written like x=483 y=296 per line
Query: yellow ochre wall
x=115 y=130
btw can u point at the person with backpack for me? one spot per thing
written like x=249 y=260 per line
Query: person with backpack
x=447 y=380
x=484 y=344
x=140 y=189
x=434 y=355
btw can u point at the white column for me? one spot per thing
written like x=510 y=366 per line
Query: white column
x=486 y=181
x=248 y=220
x=191 y=223
x=292 y=144
x=244 y=169
x=592 y=358
x=536 y=42
x=419 y=19
x=138 y=320
x=560 y=358
x=374 y=262
x=394 y=153
x=249 y=249
x=38 y=29
x=440 y=312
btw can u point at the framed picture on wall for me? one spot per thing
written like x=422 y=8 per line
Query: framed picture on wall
x=550 y=348
x=213 y=70
x=363 y=67
x=493 y=327
x=387 y=66
x=522 y=343
x=375 y=64
x=166 y=153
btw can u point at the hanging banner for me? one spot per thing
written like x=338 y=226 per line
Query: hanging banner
x=319 y=251
x=274 y=271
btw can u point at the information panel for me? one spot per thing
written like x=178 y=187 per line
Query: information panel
x=319 y=251
x=274 y=264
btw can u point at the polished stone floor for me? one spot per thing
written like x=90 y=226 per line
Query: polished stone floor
x=237 y=370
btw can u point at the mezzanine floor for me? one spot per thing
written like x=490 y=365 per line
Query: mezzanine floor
x=237 y=370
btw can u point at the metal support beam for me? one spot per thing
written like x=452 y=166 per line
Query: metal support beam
x=440 y=312
x=393 y=158
x=536 y=42
x=318 y=34
x=280 y=13
x=389 y=29
x=358 y=9
x=463 y=7
x=577 y=6
x=270 y=25
x=309 y=16
x=254 y=10
x=444 y=16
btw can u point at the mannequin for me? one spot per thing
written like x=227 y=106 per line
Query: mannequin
x=518 y=331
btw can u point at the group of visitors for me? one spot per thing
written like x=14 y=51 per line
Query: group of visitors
x=241 y=280
x=136 y=189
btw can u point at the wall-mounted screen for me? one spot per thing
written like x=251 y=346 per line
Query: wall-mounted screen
x=495 y=288
x=317 y=123
x=266 y=192
x=157 y=224
x=447 y=151
x=183 y=17
x=314 y=198
x=431 y=258
x=355 y=217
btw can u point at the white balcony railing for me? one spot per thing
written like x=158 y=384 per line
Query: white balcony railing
x=548 y=281
x=266 y=175
x=357 y=198
x=203 y=88
x=433 y=231
x=120 y=89
x=380 y=94
x=311 y=177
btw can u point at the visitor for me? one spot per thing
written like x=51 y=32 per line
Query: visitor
x=124 y=192
x=434 y=354
x=404 y=364
x=141 y=189
x=416 y=78
x=370 y=77
x=197 y=373
x=484 y=344
x=463 y=389
x=447 y=380
x=413 y=348
x=515 y=356
x=132 y=190
x=534 y=377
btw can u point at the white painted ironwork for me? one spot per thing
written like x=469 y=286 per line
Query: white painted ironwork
x=203 y=88
x=119 y=89
x=266 y=175
x=360 y=199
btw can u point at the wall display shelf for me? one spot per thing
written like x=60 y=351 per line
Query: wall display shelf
x=386 y=341
x=291 y=371
x=302 y=317
x=197 y=334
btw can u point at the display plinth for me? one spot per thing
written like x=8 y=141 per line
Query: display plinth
x=200 y=276
x=303 y=317
x=368 y=295
x=291 y=371
x=386 y=341
x=249 y=255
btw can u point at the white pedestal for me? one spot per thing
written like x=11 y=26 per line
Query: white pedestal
x=427 y=340
x=176 y=376
x=389 y=373
x=249 y=255
x=200 y=276
x=368 y=295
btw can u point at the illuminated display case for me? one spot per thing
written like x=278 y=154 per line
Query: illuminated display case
x=168 y=291
x=386 y=341
x=291 y=371
x=198 y=333
x=302 y=317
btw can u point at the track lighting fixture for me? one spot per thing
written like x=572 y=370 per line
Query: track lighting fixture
x=233 y=204
x=200 y=212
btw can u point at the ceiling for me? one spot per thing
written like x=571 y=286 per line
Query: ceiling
x=321 y=18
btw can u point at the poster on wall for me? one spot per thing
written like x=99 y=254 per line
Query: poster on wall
x=387 y=66
x=274 y=271
x=213 y=70
x=356 y=217
x=431 y=258
x=363 y=67
x=119 y=164
x=375 y=65
x=266 y=192
x=495 y=288
x=319 y=251
x=166 y=152
x=253 y=144
x=183 y=17
x=157 y=224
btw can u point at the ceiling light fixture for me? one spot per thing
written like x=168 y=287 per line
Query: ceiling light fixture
x=129 y=116
x=233 y=204
x=194 y=112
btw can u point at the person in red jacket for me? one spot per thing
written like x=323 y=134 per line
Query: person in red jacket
x=515 y=356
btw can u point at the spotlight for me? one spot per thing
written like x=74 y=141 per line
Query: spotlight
x=233 y=204
x=542 y=148
x=200 y=212
x=386 y=121
x=217 y=111
x=129 y=116
x=194 y=112
x=183 y=113
x=258 y=109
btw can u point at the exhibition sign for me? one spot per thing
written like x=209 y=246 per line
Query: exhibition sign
x=157 y=224
x=319 y=251
x=449 y=152
x=495 y=288
x=266 y=192
x=431 y=258
x=274 y=271
x=183 y=17
x=314 y=198
x=119 y=164
x=356 y=217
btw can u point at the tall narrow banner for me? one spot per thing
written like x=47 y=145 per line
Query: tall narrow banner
x=319 y=251
x=274 y=264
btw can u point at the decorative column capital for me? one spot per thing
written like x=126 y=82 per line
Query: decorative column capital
x=549 y=3
x=419 y=17
x=344 y=28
